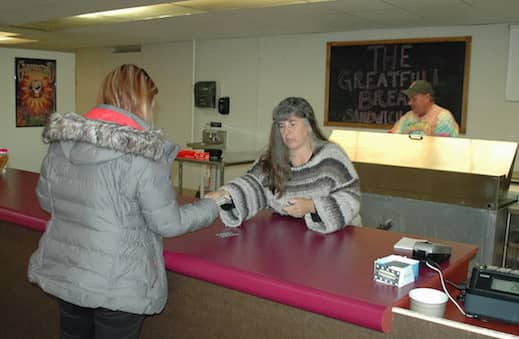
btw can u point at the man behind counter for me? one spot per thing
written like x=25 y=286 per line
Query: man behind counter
x=425 y=117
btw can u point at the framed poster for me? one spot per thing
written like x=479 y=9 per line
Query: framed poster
x=35 y=82
x=365 y=79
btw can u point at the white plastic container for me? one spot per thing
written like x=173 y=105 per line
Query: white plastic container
x=428 y=301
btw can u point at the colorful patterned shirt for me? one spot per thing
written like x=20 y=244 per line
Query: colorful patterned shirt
x=438 y=121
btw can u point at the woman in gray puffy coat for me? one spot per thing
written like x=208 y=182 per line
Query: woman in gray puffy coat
x=106 y=183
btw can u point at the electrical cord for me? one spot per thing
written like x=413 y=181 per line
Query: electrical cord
x=458 y=287
x=435 y=268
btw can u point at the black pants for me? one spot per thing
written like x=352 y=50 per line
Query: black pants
x=88 y=323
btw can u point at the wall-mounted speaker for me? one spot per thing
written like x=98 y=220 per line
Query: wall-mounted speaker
x=205 y=94
x=223 y=105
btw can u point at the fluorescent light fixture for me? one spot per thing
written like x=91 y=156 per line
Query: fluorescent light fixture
x=142 y=13
x=220 y=5
x=13 y=38
x=160 y=11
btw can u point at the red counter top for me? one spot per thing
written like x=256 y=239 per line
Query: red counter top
x=277 y=258
x=18 y=202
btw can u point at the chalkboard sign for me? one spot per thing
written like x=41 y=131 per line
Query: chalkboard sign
x=364 y=80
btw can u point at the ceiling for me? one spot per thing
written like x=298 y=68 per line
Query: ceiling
x=328 y=16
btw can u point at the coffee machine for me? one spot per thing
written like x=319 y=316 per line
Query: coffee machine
x=214 y=140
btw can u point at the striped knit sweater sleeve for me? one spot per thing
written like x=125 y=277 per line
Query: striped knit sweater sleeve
x=328 y=178
x=248 y=196
x=337 y=195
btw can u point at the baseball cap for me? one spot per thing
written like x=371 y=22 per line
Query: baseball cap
x=419 y=87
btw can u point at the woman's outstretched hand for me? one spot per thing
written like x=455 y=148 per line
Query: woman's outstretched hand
x=220 y=196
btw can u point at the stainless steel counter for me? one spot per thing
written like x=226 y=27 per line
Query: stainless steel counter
x=450 y=188
x=228 y=159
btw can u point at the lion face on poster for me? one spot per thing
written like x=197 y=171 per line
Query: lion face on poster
x=37 y=94
x=36 y=87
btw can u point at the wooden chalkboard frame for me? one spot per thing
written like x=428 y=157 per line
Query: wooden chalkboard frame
x=462 y=81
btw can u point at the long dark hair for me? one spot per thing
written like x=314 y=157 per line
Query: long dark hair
x=275 y=162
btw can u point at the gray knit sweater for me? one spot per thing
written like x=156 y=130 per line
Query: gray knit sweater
x=329 y=178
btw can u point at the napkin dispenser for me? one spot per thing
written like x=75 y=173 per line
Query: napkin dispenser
x=395 y=270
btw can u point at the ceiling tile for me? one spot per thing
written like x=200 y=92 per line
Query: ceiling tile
x=360 y=5
x=336 y=16
x=460 y=14
x=508 y=5
x=392 y=17
x=415 y=3
x=502 y=10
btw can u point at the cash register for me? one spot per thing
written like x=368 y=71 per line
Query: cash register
x=214 y=140
x=493 y=293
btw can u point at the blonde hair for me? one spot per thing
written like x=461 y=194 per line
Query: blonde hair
x=131 y=88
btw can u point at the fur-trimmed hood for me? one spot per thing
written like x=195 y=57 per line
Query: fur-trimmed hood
x=91 y=141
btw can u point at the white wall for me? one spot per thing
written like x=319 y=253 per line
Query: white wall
x=25 y=147
x=234 y=64
x=256 y=73
x=295 y=65
x=171 y=67
x=512 y=79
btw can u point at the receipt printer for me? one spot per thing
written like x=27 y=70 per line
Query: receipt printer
x=422 y=249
